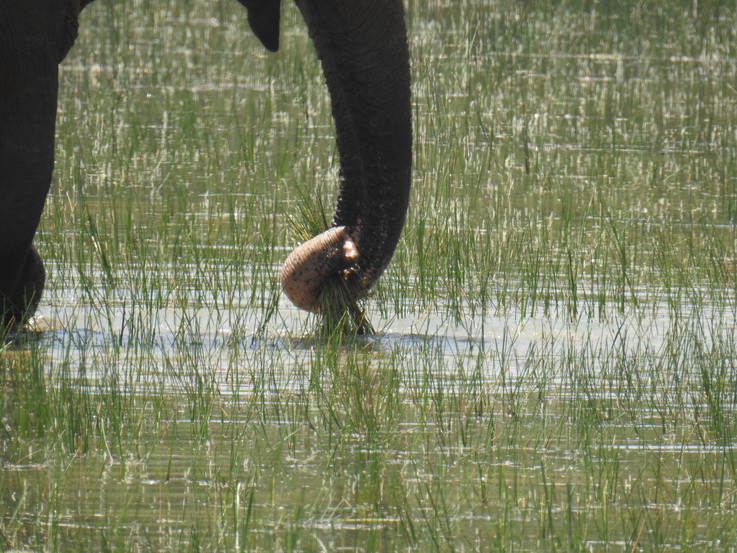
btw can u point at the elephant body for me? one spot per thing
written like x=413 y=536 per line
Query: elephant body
x=362 y=47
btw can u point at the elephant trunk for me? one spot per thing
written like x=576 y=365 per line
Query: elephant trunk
x=362 y=46
x=309 y=265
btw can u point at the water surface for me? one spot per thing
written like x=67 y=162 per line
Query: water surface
x=555 y=363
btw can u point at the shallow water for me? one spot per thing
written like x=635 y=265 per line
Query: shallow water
x=555 y=363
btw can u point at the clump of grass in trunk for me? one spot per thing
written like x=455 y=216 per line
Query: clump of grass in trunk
x=339 y=310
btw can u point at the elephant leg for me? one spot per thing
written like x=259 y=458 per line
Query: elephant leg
x=34 y=37
x=27 y=294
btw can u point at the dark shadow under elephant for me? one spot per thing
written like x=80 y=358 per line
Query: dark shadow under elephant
x=362 y=47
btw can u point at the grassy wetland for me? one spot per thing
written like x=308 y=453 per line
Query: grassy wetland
x=555 y=364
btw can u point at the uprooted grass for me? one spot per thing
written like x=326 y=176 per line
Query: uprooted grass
x=339 y=310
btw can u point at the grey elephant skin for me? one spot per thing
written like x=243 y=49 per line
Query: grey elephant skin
x=362 y=47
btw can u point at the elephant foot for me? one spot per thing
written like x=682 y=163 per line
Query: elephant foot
x=23 y=302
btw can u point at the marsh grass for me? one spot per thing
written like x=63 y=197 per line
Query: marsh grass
x=556 y=364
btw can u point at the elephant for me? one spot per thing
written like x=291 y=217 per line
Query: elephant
x=363 y=50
